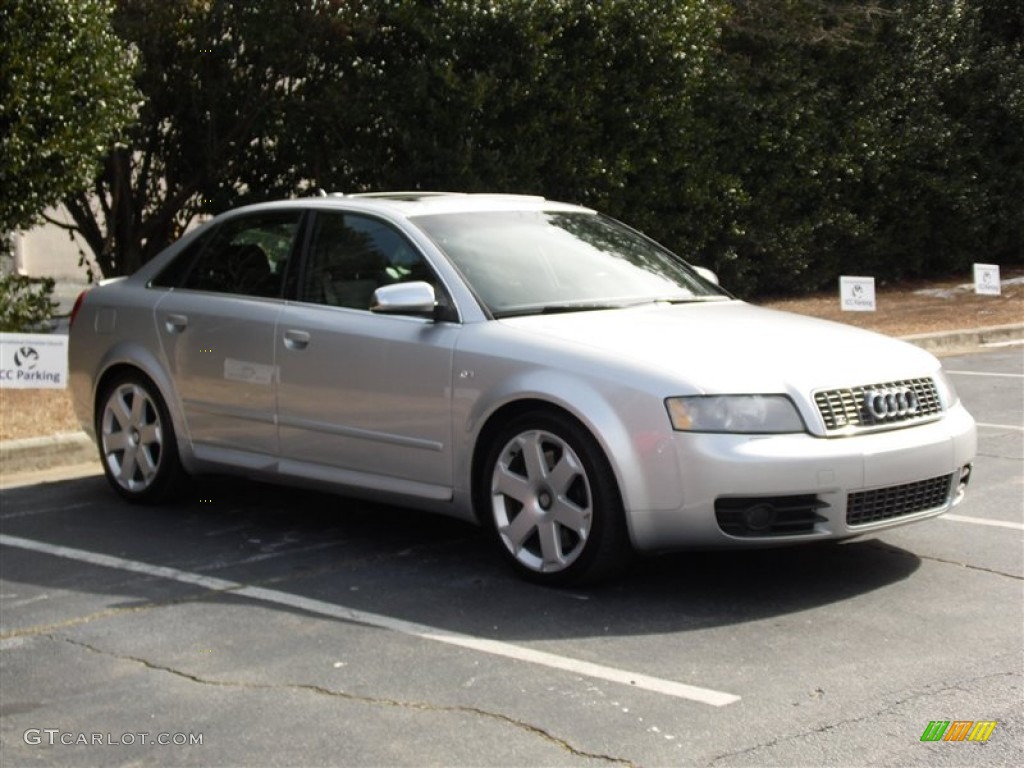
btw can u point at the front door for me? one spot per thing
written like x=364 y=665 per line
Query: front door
x=364 y=398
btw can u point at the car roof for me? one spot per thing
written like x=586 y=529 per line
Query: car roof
x=419 y=203
x=422 y=203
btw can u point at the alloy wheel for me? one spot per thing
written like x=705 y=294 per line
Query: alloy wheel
x=541 y=501
x=132 y=437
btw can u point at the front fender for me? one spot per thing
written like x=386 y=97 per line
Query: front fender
x=630 y=426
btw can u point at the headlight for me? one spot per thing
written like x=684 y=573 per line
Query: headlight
x=748 y=414
x=947 y=392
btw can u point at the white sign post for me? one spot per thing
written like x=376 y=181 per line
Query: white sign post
x=986 y=279
x=857 y=294
x=33 y=361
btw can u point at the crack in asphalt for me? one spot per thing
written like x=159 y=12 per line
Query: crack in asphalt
x=416 y=706
x=889 y=549
x=972 y=567
x=888 y=709
x=43 y=630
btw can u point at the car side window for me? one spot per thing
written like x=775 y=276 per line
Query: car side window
x=351 y=256
x=246 y=256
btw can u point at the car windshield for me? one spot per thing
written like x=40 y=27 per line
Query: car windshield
x=531 y=262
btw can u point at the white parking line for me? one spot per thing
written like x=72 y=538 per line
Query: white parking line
x=999 y=426
x=42 y=511
x=483 y=645
x=985 y=373
x=983 y=521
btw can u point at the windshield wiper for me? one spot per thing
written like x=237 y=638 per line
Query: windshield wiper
x=680 y=300
x=582 y=306
x=557 y=309
x=554 y=309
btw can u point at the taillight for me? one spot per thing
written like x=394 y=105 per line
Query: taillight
x=74 y=309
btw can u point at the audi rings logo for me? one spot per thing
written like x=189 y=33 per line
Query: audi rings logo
x=892 y=403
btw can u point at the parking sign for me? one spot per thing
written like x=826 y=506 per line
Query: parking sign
x=986 y=279
x=33 y=361
x=857 y=294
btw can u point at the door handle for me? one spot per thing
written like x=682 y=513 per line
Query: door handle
x=296 y=340
x=176 y=323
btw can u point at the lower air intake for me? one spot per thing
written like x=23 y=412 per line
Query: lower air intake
x=879 y=504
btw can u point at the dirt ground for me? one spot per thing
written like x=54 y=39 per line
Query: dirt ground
x=912 y=308
x=902 y=310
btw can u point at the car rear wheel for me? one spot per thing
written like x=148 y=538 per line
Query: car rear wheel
x=550 y=498
x=136 y=440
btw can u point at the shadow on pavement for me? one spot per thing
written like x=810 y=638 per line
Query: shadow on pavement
x=408 y=565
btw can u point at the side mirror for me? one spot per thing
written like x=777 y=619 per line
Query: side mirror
x=415 y=298
x=707 y=274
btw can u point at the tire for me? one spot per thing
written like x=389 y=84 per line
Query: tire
x=136 y=440
x=549 y=497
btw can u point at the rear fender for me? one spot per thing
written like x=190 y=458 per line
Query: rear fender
x=127 y=355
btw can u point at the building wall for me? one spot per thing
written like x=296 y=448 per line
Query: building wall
x=49 y=251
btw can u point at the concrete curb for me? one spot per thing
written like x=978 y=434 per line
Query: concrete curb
x=34 y=453
x=951 y=342
x=39 y=453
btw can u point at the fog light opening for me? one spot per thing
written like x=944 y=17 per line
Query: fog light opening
x=764 y=516
x=760 y=517
x=961 y=488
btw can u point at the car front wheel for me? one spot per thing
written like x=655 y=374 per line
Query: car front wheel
x=551 y=500
x=136 y=440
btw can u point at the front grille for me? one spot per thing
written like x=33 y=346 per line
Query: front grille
x=866 y=507
x=878 y=405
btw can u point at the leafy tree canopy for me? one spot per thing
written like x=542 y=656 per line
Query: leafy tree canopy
x=861 y=138
x=249 y=101
x=65 y=94
x=781 y=142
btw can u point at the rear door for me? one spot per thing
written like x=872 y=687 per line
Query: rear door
x=217 y=334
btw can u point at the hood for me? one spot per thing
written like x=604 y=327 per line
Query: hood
x=731 y=346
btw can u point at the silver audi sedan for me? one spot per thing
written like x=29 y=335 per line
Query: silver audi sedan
x=532 y=366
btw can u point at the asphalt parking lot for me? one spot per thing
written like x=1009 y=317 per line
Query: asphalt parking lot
x=251 y=625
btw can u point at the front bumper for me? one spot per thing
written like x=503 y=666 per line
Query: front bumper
x=890 y=478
